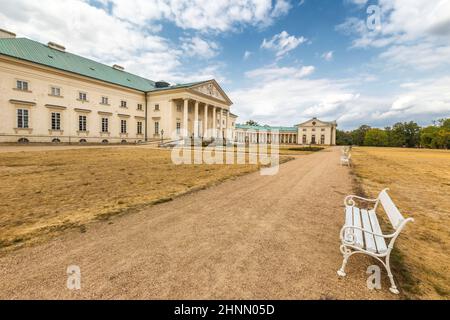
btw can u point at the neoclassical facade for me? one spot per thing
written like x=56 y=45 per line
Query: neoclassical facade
x=311 y=132
x=50 y=95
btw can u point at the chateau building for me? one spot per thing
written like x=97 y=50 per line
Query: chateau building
x=311 y=132
x=50 y=95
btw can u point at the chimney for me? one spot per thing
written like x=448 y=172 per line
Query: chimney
x=117 y=67
x=56 y=46
x=5 y=34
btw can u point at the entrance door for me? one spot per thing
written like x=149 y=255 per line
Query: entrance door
x=313 y=139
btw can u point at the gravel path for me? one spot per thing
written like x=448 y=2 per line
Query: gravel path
x=255 y=237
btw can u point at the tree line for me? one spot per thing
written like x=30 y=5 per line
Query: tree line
x=402 y=134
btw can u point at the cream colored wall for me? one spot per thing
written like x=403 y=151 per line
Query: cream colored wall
x=40 y=81
x=328 y=130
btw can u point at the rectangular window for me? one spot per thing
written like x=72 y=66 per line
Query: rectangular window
x=123 y=104
x=56 y=121
x=22 y=85
x=82 y=96
x=123 y=126
x=178 y=108
x=105 y=100
x=105 y=124
x=304 y=139
x=178 y=127
x=82 y=123
x=55 y=91
x=156 y=107
x=156 y=127
x=139 y=127
x=322 y=139
x=22 y=118
x=139 y=107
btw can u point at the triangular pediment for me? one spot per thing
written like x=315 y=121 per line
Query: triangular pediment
x=212 y=89
x=315 y=123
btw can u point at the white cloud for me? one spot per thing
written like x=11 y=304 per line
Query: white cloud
x=270 y=73
x=247 y=55
x=328 y=56
x=202 y=15
x=198 y=47
x=283 y=95
x=282 y=43
x=416 y=33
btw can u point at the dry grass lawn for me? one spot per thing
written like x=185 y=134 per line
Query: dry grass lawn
x=44 y=192
x=420 y=185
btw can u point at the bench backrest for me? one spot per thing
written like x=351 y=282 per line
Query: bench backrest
x=394 y=215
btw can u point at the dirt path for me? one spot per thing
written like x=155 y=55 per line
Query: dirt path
x=256 y=237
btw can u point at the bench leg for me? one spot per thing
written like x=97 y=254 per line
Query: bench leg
x=341 y=271
x=393 y=287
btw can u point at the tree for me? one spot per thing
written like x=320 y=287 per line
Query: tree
x=376 y=138
x=437 y=136
x=359 y=135
x=406 y=134
x=344 y=138
x=252 y=123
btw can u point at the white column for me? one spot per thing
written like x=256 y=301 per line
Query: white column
x=196 y=120
x=214 y=126
x=221 y=122
x=185 y=131
x=205 y=122
x=227 y=127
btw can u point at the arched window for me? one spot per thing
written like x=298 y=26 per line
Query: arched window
x=23 y=140
x=104 y=141
x=83 y=141
x=123 y=142
x=56 y=140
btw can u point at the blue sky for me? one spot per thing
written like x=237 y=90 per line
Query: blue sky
x=280 y=61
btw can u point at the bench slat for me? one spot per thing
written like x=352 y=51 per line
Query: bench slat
x=380 y=242
x=394 y=215
x=357 y=223
x=370 y=241
x=348 y=222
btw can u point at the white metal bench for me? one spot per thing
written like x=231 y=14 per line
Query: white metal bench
x=362 y=233
x=346 y=160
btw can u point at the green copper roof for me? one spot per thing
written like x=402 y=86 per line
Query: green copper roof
x=265 y=128
x=29 y=50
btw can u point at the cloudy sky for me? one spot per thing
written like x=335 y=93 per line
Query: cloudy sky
x=280 y=61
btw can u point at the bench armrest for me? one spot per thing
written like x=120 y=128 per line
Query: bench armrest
x=348 y=201
x=352 y=228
